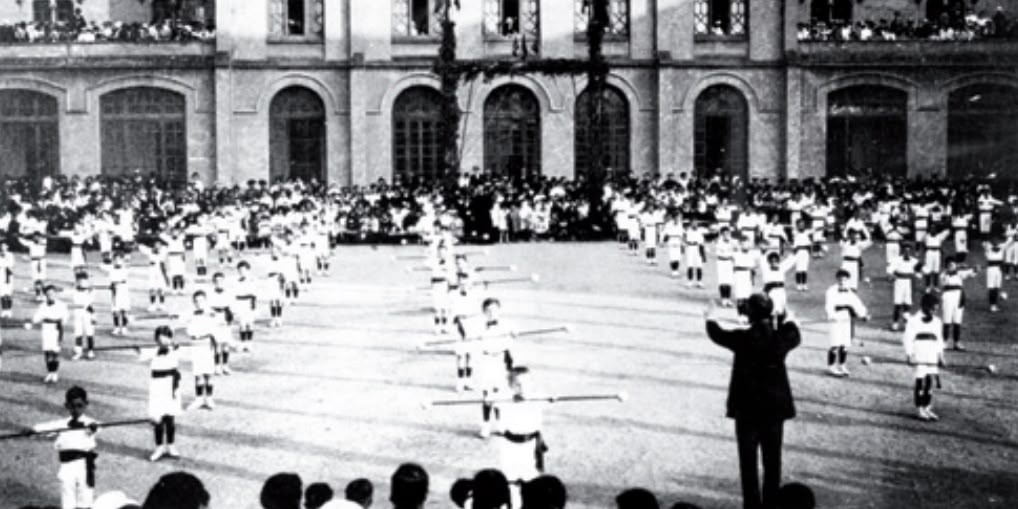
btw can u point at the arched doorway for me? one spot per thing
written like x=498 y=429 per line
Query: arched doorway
x=614 y=139
x=417 y=128
x=721 y=139
x=867 y=131
x=297 y=135
x=982 y=131
x=29 y=134
x=143 y=132
x=512 y=132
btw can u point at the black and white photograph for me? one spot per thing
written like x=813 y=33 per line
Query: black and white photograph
x=508 y=254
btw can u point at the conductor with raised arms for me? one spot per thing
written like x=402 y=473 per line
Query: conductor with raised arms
x=759 y=395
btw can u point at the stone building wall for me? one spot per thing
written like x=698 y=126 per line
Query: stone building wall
x=78 y=92
x=359 y=68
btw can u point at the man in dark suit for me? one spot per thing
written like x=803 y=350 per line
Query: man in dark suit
x=759 y=395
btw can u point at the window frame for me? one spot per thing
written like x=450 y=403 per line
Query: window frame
x=310 y=36
x=52 y=14
x=124 y=111
x=581 y=19
x=37 y=115
x=418 y=132
x=500 y=123
x=528 y=8
x=708 y=36
x=403 y=35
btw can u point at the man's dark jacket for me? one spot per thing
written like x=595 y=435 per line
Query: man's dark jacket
x=759 y=390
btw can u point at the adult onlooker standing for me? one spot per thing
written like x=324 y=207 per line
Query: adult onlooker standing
x=408 y=487
x=177 y=490
x=759 y=395
x=282 y=491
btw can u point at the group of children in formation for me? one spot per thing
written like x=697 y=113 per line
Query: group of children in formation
x=482 y=346
x=230 y=299
x=747 y=247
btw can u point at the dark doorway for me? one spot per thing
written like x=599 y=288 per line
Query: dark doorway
x=721 y=139
x=982 y=131
x=144 y=132
x=297 y=136
x=867 y=131
x=615 y=138
x=512 y=132
x=29 y=134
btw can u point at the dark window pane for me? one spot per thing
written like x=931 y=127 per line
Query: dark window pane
x=295 y=17
x=420 y=14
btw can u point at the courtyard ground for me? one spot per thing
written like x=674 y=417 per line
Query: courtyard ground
x=335 y=394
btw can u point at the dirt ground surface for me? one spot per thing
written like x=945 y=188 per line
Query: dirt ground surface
x=336 y=393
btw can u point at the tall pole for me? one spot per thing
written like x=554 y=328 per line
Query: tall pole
x=449 y=75
x=597 y=77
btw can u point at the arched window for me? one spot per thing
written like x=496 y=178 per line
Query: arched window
x=29 y=134
x=614 y=122
x=867 y=131
x=512 y=132
x=982 y=131
x=143 y=130
x=417 y=135
x=721 y=133
x=297 y=135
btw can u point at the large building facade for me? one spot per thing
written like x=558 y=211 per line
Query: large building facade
x=342 y=90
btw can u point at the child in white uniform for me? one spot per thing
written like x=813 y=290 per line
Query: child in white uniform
x=75 y=450
x=903 y=269
x=157 y=278
x=693 y=244
x=51 y=316
x=203 y=327
x=120 y=294
x=246 y=304
x=724 y=253
x=995 y=252
x=522 y=446
x=84 y=318
x=924 y=347
x=673 y=234
x=953 y=300
x=6 y=282
x=164 y=392
x=843 y=307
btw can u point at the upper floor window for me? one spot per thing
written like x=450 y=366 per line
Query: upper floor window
x=618 y=18
x=415 y=18
x=513 y=19
x=45 y=10
x=302 y=19
x=720 y=18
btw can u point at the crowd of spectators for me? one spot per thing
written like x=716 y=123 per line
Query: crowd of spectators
x=945 y=28
x=478 y=207
x=409 y=489
x=81 y=31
